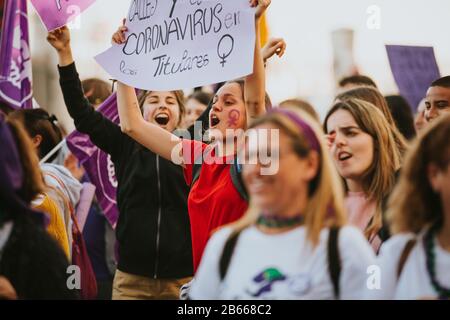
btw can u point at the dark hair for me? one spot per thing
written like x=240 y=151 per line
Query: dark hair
x=442 y=82
x=402 y=113
x=39 y=122
x=302 y=105
x=202 y=97
x=99 y=90
x=357 y=80
x=5 y=109
x=32 y=182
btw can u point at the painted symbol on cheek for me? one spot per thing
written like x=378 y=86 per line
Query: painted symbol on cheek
x=233 y=118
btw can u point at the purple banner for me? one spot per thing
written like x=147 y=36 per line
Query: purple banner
x=414 y=69
x=57 y=13
x=98 y=164
x=15 y=57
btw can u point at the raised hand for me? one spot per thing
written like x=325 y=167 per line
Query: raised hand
x=274 y=46
x=59 y=38
x=261 y=7
x=119 y=36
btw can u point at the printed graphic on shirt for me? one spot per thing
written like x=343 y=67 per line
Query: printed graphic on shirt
x=272 y=280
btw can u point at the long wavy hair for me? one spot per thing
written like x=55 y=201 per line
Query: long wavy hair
x=380 y=178
x=414 y=204
x=372 y=95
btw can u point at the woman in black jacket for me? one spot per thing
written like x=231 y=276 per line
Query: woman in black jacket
x=153 y=230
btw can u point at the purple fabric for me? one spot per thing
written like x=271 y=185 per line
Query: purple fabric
x=11 y=178
x=414 y=69
x=307 y=131
x=15 y=57
x=57 y=13
x=98 y=164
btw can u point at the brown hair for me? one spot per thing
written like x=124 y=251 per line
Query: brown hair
x=98 y=90
x=375 y=97
x=33 y=182
x=413 y=203
x=39 y=122
x=325 y=206
x=179 y=95
x=302 y=105
x=379 y=179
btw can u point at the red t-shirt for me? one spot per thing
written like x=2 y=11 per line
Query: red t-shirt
x=213 y=200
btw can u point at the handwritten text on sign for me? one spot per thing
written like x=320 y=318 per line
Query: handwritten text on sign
x=57 y=13
x=175 y=44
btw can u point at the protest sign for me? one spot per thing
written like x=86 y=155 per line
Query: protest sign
x=57 y=13
x=414 y=69
x=179 y=44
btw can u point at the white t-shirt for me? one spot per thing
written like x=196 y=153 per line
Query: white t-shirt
x=414 y=281
x=282 y=266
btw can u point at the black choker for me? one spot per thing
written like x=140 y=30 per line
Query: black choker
x=279 y=222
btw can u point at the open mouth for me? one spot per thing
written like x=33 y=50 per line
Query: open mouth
x=344 y=156
x=214 y=120
x=162 y=119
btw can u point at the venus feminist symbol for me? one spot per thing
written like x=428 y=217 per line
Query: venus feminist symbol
x=224 y=48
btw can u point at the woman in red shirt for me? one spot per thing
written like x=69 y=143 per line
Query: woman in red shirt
x=214 y=199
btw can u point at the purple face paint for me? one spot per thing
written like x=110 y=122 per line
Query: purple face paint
x=233 y=118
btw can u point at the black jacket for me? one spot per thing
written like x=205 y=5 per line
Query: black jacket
x=153 y=229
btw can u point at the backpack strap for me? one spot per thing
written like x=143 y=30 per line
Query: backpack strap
x=334 y=259
x=227 y=253
x=404 y=256
x=235 y=174
x=236 y=178
x=196 y=170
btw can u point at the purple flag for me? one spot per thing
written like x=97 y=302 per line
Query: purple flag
x=98 y=164
x=15 y=57
x=414 y=69
x=57 y=13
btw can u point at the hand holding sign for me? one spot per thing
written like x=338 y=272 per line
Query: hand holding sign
x=59 y=39
x=261 y=7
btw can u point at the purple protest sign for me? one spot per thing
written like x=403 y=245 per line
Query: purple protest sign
x=414 y=69
x=57 y=13
x=15 y=57
x=98 y=164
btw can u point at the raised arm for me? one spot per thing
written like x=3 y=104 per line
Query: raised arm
x=103 y=132
x=255 y=83
x=148 y=134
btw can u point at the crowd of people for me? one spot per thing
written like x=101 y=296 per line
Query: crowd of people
x=276 y=204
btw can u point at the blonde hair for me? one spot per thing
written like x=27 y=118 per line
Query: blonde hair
x=379 y=179
x=179 y=96
x=325 y=206
x=413 y=203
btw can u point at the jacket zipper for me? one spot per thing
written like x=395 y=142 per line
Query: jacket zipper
x=159 y=218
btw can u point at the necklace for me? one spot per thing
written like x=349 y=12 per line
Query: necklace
x=279 y=222
x=428 y=241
